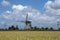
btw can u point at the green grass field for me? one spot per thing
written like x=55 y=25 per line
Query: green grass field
x=29 y=35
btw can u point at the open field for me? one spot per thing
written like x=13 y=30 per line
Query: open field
x=29 y=35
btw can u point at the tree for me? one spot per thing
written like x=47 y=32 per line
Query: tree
x=51 y=29
x=9 y=28
x=12 y=27
x=35 y=28
x=17 y=27
x=46 y=28
x=42 y=28
x=58 y=29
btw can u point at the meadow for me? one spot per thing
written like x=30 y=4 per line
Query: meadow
x=29 y=35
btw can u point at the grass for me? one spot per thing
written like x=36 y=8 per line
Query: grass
x=29 y=35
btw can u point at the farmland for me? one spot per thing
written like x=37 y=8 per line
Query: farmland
x=29 y=35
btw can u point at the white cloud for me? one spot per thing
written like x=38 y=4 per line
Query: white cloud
x=19 y=12
x=19 y=7
x=48 y=5
x=56 y=4
x=53 y=7
x=5 y=3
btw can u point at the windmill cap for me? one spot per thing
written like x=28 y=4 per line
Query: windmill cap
x=28 y=21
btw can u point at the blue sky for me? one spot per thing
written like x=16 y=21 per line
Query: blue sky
x=42 y=13
x=37 y=4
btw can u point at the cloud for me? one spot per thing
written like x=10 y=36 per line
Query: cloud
x=18 y=7
x=52 y=9
x=5 y=3
x=19 y=12
x=56 y=4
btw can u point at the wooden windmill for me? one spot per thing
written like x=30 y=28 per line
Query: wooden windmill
x=27 y=23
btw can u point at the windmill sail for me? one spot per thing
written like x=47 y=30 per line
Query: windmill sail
x=27 y=23
x=58 y=24
x=27 y=17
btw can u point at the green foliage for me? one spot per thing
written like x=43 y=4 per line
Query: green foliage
x=13 y=28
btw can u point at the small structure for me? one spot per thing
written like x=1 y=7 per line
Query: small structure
x=28 y=23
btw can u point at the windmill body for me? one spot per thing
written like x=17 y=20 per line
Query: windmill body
x=27 y=23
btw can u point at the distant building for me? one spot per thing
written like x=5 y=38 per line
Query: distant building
x=28 y=25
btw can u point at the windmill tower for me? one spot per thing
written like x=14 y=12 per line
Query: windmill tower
x=28 y=23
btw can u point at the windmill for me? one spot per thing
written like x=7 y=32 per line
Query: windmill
x=58 y=23
x=27 y=23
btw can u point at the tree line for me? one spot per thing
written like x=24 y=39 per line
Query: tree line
x=16 y=28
